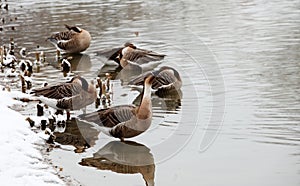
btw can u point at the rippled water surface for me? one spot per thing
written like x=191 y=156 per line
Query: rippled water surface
x=237 y=118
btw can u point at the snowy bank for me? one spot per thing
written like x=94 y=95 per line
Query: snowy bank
x=21 y=163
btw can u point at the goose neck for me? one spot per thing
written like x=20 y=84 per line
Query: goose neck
x=145 y=105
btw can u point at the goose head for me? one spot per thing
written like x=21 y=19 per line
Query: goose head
x=149 y=79
x=80 y=80
x=175 y=72
x=84 y=83
x=128 y=44
x=74 y=28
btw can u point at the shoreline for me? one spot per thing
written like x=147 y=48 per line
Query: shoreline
x=25 y=153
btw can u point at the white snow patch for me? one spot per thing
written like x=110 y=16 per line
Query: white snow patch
x=21 y=161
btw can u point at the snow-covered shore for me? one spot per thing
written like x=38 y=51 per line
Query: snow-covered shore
x=21 y=161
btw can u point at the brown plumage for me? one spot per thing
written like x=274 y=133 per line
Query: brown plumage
x=166 y=79
x=74 y=40
x=72 y=95
x=130 y=52
x=124 y=121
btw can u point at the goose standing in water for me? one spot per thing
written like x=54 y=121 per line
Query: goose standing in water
x=72 y=95
x=75 y=40
x=167 y=79
x=129 y=53
x=124 y=121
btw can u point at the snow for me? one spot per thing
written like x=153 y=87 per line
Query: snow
x=21 y=162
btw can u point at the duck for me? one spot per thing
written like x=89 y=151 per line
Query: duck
x=129 y=53
x=167 y=80
x=124 y=121
x=75 y=40
x=72 y=95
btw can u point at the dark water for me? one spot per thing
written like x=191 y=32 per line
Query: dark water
x=237 y=120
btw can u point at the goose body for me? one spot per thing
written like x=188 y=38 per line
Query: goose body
x=129 y=53
x=74 y=40
x=72 y=95
x=166 y=79
x=124 y=121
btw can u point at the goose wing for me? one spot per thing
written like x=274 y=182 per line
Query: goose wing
x=63 y=36
x=163 y=79
x=139 y=80
x=110 y=54
x=58 y=91
x=75 y=102
x=141 y=56
x=110 y=117
x=62 y=40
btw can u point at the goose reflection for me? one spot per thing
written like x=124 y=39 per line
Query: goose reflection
x=124 y=157
x=112 y=70
x=168 y=102
x=117 y=72
x=77 y=62
x=76 y=133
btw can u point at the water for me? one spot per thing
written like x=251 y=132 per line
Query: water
x=237 y=122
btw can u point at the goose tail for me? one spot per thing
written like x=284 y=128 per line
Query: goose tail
x=86 y=118
x=48 y=101
x=105 y=130
x=52 y=40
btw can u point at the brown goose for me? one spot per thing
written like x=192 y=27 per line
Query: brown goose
x=124 y=121
x=72 y=95
x=129 y=53
x=75 y=40
x=167 y=79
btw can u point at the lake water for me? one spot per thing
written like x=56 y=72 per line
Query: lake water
x=237 y=120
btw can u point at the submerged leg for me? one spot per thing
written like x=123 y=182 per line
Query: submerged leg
x=84 y=110
x=68 y=115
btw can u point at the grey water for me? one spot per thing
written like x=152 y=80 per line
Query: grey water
x=237 y=118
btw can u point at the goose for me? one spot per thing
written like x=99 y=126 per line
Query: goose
x=72 y=95
x=167 y=79
x=124 y=121
x=75 y=40
x=129 y=53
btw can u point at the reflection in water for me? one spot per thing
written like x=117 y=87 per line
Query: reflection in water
x=124 y=157
x=113 y=70
x=126 y=74
x=257 y=46
x=123 y=74
x=79 y=62
x=69 y=63
x=74 y=62
x=75 y=133
x=167 y=102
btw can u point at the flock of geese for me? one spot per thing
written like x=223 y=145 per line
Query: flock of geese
x=122 y=121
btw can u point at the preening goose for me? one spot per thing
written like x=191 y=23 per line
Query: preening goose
x=166 y=79
x=72 y=95
x=131 y=53
x=75 y=40
x=124 y=121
